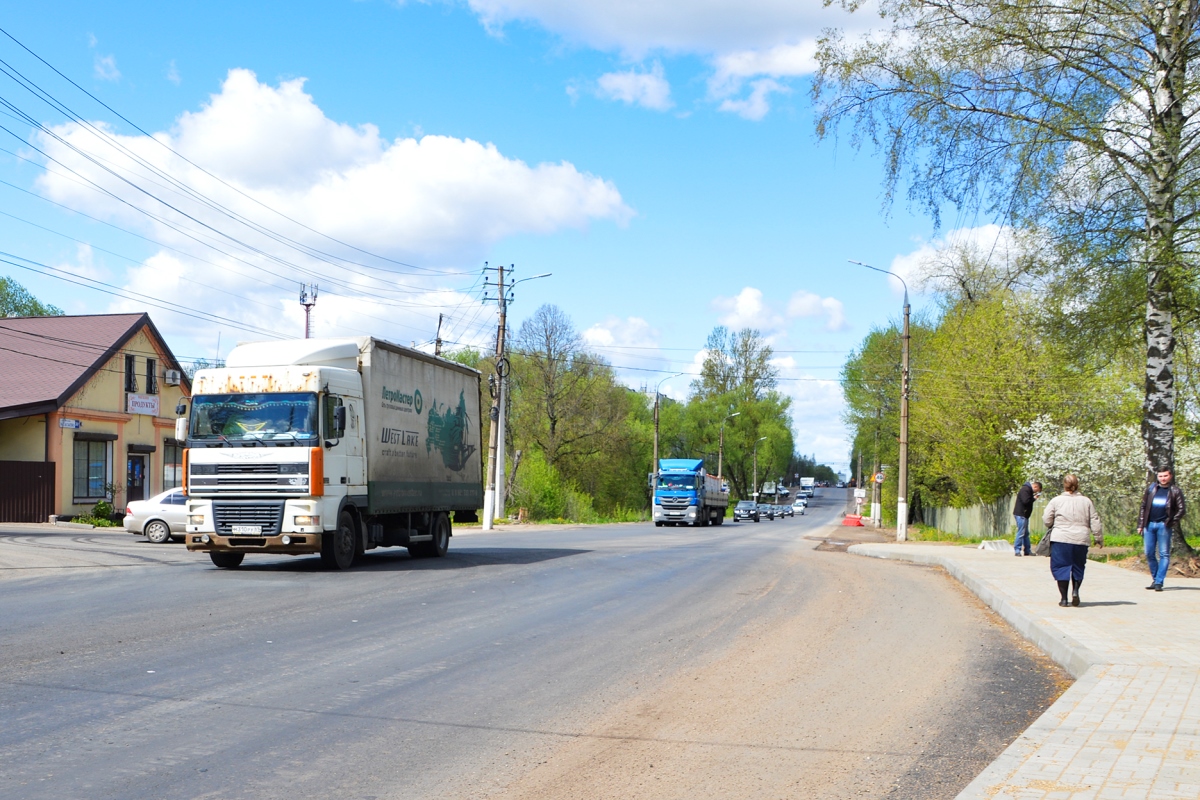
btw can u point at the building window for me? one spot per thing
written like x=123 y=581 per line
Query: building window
x=172 y=464
x=151 y=376
x=91 y=470
x=130 y=374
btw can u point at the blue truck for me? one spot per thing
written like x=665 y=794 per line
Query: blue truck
x=684 y=494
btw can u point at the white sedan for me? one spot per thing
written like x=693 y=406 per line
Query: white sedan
x=159 y=518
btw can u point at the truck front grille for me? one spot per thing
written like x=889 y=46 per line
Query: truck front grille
x=268 y=516
x=674 y=502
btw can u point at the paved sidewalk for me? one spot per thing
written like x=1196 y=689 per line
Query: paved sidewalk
x=1130 y=725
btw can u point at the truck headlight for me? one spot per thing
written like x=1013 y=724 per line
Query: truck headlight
x=306 y=521
x=195 y=519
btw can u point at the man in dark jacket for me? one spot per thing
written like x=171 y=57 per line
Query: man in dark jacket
x=1162 y=509
x=1023 y=510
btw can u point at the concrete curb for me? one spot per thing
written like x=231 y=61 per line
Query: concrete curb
x=1070 y=654
x=79 y=525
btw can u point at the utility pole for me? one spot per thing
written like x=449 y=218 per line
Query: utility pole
x=437 y=340
x=876 y=489
x=721 y=445
x=654 y=465
x=308 y=299
x=489 y=494
x=902 y=489
x=755 y=492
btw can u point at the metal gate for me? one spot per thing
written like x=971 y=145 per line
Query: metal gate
x=26 y=491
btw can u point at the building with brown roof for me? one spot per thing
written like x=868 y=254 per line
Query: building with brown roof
x=87 y=413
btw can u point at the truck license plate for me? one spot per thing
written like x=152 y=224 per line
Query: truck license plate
x=250 y=529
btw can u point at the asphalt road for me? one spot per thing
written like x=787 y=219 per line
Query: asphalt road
x=131 y=670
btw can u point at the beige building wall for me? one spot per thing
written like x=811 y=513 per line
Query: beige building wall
x=23 y=439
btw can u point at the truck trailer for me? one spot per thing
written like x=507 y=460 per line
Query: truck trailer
x=684 y=494
x=330 y=447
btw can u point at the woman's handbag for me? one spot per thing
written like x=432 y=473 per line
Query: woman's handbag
x=1043 y=545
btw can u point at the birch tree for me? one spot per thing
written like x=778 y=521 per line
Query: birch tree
x=1074 y=116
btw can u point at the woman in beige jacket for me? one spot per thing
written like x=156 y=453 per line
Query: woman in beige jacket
x=1072 y=521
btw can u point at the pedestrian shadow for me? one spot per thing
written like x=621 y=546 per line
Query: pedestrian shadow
x=1108 y=603
x=1181 y=588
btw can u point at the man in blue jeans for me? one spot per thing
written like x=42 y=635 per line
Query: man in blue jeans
x=1162 y=509
x=1022 y=511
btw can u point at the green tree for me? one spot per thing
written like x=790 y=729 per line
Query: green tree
x=738 y=362
x=1074 y=118
x=16 y=301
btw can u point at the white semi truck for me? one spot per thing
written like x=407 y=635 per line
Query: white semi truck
x=330 y=446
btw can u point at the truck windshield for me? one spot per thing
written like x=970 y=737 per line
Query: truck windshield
x=677 y=481
x=283 y=418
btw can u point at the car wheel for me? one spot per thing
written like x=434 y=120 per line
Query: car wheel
x=157 y=531
x=227 y=560
x=339 y=547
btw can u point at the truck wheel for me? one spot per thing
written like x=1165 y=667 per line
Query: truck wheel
x=339 y=547
x=227 y=560
x=157 y=532
x=440 y=542
x=658 y=524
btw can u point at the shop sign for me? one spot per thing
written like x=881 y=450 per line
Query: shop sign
x=142 y=404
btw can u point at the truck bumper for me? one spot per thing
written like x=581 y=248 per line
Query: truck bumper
x=675 y=514
x=201 y=534
x=296 y=544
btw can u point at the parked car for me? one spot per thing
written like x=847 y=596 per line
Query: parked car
x=160 y=519
x=784 y=511
x=799 y=507
x=766 y=510
x=745 y=510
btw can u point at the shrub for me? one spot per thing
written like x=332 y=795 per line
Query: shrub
x=102 y=510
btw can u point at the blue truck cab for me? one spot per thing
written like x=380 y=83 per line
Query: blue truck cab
x=684 y=494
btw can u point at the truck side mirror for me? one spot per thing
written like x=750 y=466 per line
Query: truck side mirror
x=181 y=426
x=180 y=409
x=339 y=421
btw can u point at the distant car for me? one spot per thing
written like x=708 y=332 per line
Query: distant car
x=799 y=507
x=160 y=518
x=766 y=510
x=784 y=511
x=745 y=510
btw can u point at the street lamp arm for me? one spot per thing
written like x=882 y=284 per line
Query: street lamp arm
x=885 y=272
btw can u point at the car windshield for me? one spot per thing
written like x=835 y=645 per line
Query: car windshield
x=277 y=418
x=677 y=481
x=745 y=504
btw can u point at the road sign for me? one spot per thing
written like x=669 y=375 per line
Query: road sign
x=879 y=477
x=860 y=493
x=70 y=423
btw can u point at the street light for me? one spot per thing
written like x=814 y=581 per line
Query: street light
x=721 y=446
x=902 y=483
x=654 y=466
x=756 y=441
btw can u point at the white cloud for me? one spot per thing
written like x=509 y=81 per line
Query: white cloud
x=755 y=42
x=105 y=68
x=807 y=304
x=173 y=73
x=436 y=201
x=780 y=61
x=754 y=106
x=634 y=87
x=748 y=309
x=639 y=26
x=84 y=264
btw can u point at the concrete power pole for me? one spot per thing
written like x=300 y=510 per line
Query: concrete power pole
x=902 y=493
x=489 y=494
x=437 y=340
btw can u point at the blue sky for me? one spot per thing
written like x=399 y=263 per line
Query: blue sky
x=658 y=158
